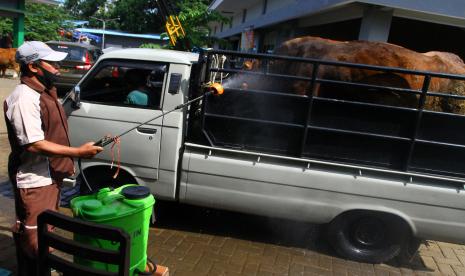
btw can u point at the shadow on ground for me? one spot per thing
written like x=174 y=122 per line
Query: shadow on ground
x=7 y=249
x=274 y=231
x=223 y=223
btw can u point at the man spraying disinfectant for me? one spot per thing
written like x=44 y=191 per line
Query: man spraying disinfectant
x=41 y=155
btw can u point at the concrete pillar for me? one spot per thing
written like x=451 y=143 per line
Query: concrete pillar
x=376 y=23
x=18 y=25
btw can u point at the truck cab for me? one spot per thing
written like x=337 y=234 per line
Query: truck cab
x=123 y=89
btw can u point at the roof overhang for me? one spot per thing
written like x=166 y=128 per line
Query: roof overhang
x=449 y=8
x=309 y=13
x=215 y=4
x=229 y=7
x=52 y=2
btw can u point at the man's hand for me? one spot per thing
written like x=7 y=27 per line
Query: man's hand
x=88 y=150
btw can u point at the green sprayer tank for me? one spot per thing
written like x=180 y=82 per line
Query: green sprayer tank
x=128 y=207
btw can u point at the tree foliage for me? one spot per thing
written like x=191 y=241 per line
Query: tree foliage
x=195 y=17
x=136 y=16
x=41 y=22
x=151 y=46
x=6 y=25
x=83 y=9
x=90 y=10
x=140 y=16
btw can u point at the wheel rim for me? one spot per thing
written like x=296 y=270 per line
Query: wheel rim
x=369 y=232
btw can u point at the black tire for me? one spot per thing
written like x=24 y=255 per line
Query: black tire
x=365 y=236
x=409 y=250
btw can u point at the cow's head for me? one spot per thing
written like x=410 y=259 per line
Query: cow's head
x=457 y=106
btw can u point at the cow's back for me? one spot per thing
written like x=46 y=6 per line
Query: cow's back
x=373 y=53
x=361 y=52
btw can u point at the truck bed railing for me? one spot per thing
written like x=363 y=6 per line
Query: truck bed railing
x=333 y=63
x=354 y=122
x=317 y=80
x=315 y=164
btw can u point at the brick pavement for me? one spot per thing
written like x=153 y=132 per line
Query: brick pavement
x=195 y=241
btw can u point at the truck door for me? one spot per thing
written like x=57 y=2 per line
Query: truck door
x=116 y=96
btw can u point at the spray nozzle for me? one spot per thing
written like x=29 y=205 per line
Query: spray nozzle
x=216 y=89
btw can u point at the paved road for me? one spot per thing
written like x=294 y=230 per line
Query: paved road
x=196 y=241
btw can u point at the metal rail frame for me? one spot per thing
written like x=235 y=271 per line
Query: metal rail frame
x=412 y=140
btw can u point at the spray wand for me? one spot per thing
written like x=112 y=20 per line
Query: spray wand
x=215 y=89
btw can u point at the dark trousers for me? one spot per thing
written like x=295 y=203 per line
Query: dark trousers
x=25 y=265
x=29 y=203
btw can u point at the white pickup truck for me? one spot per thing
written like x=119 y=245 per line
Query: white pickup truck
x=381 y=176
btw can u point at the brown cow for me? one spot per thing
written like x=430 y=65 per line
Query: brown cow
x=7 y=60
x=373 y=53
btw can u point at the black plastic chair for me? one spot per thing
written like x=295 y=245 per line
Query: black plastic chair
x=47 y=260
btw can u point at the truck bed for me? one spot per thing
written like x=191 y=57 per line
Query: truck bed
x=347 y=124
x=317 y=191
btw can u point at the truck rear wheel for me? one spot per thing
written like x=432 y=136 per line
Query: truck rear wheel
x=365 y=236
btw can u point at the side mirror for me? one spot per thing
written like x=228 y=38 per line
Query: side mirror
x=175 y=83
x=77 y=97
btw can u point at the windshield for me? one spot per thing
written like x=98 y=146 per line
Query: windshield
x=74 y=53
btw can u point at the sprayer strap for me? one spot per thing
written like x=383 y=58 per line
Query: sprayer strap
x=117 y=142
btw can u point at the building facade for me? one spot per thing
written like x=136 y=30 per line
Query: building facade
x=15 y=9
x=422 y=25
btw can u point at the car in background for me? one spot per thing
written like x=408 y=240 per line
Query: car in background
x=79 y=60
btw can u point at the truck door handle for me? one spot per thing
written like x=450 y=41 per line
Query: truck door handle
x=147 y=130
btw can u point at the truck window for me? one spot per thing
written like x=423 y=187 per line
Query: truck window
x=132 y=85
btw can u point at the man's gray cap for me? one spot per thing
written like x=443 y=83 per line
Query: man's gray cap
x=31 y=51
